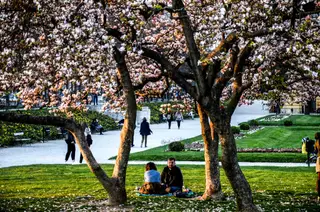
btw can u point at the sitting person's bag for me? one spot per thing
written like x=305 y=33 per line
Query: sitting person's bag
x=185 y=194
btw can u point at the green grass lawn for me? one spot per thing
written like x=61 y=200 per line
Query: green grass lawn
x=297 y=120
x=74 y=188
x=269 y=137
x=277 y=137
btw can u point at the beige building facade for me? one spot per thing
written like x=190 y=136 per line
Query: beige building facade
x=299 y=108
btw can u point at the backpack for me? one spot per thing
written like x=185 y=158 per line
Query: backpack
x=310 y=146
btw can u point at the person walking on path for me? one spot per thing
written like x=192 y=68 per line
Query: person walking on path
x=171 y=176
x=317 y=150
x=71 y=147
x=179 y=118
x=87 y=134
x=169 y=119
x=144 y=131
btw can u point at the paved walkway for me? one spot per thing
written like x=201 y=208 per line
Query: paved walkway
x=106 y=146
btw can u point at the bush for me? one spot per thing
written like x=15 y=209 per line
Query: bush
x=287 y=123
x=235 y=130
x=35 y=132
x=244 y=126
x=177 y=146
x=253 y=122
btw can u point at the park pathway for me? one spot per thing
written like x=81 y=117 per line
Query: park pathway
x=106 y=146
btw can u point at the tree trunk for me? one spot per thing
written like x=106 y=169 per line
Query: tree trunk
x=127 y=132
x=232 y=169
x=116 y=192
x=213 y=184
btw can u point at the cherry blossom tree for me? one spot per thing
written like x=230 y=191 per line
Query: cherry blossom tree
x=223 y=53
x=53 y=54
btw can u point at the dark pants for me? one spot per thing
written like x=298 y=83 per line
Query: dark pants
x=81 y=157
x=144 y=138
x=178 y=122
x=169 y=124
x=72 y=150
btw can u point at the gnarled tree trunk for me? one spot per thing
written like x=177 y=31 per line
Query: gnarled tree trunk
x=213 y=184
x=117 y=194
x=127 y=132
x=232 y=169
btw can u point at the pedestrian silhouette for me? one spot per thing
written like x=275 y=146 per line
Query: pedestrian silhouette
x=87 y=133
x=71 y=149
x=145 y=131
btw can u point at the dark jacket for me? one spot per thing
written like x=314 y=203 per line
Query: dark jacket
x=172 y=177
x=145 y=128
x=89 y=140
x=70 y=139
x=169 y=117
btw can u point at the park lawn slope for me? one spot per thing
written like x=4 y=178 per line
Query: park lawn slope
x=74 y=188
x=268 y=137
x=297 y=120
x=277 y=137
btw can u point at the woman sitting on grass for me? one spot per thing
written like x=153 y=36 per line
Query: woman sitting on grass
x=152 y=183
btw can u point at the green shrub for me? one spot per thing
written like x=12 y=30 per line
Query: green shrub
x=287 y=123
x=235 y=130
x=176 y=146
x=253 y=122
x=244 y=126
x=35 y=132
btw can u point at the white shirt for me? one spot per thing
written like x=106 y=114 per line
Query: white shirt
x=152 y=176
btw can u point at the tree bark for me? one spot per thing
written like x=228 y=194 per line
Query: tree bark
x=232 y=169
x=117 y=194
x=127 y=132
x=213 y=184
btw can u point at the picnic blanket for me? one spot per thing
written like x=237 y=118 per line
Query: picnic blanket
x=188 y=194
x=150 y=195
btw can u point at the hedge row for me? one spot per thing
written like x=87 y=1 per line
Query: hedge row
x=36 y=132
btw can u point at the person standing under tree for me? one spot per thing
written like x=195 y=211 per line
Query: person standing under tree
x=144 y=131
x=169 y=119
x=87 y=134
x=317 y=150
x=71 y=147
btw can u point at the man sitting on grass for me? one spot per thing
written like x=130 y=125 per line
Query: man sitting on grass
x=171 y=176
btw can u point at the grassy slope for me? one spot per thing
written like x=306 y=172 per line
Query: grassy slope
x=65 y=187
x=269 y=137
x=297 y=120
x=277 y=137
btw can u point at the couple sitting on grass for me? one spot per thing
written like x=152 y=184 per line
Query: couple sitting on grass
x=170 y=181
